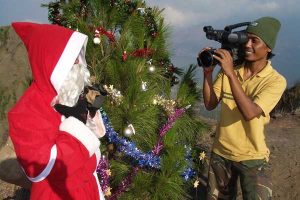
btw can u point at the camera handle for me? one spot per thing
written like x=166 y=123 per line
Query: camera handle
x=233 y=26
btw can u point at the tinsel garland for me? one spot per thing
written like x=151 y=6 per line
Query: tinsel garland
x=104 y=173
x=189 y=171
x=129 y=148
x=124 y=184
x=159 y=145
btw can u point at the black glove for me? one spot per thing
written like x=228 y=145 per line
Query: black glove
x=95 y=99
x=78 y=111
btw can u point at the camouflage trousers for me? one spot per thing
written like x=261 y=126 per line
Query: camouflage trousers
x=254 y=175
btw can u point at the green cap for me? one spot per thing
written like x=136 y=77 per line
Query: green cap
x=266 y=28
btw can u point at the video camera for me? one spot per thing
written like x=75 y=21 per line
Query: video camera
x=231 y=41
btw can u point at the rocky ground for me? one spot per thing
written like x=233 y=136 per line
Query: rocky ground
x=284 y=142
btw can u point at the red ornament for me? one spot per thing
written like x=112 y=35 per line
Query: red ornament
x=124 y=56
x=109 y=34
x=142 y=52
x=171 y=68
x=154 y=34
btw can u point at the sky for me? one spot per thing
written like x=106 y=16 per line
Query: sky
x=187 y=18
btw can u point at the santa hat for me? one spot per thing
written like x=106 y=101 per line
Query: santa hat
x=52 y=51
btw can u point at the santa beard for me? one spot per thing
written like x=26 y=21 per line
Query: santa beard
x=73 y=85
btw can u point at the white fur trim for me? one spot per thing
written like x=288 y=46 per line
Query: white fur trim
x=102 y=123
x=74 y=48
x=80 y=131
x=98 y=156
x=101 y=195
x=48 y=168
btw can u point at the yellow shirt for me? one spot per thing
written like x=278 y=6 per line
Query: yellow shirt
x=238 y=139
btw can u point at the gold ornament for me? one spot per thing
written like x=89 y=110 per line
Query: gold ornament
x=108 y=172
x=115 y=95
x=167 y=104
x=107 y=192
x=202 y=156
x=196 y=183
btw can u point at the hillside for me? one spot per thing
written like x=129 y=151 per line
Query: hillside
x=14 y=72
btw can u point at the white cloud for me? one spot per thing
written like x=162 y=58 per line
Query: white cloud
x=182 y=14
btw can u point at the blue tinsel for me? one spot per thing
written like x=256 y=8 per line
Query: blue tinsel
x=188 y=172
x=143 y=159
x=129 y=148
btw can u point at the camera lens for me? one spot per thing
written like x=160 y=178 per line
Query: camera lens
x=206 y=58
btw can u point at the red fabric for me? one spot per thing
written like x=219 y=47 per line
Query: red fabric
x=34 y=124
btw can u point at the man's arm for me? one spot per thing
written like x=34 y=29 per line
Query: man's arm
x=210 y=99
x=247 y=107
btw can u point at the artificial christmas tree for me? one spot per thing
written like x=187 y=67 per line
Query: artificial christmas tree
x=149 y=148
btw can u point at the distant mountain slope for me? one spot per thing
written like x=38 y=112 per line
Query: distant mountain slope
x=15 y=74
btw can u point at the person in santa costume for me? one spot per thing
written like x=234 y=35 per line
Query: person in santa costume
x=59 y=155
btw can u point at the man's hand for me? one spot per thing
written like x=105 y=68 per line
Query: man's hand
x=225 y=61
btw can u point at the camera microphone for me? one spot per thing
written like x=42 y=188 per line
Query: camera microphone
x=237 y=37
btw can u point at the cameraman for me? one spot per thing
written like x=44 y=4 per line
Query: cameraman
x=247 y=94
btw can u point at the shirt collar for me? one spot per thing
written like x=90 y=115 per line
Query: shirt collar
x=266 y=70
x=263 y=73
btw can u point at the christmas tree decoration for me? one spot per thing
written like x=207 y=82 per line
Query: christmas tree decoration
x=144 y=52
x=115 y=95
x=202 y=156
x=133 y=153
x=144 y=86
x=196 y=183
x=141 y=11
x=150 y=22
x=174 y=80
x=171 y=68
x=127 y=52
x=189 y=171
x=104 y=173
x=159 y=145
x=167 y=104
x=97 y=40
x=124 y=56
x=151 y=68
x=124 y=184
x=129 y=148
x=111 y=148
x=54 y=15
x=101 y=31
x=129 y=131
x=83 y=8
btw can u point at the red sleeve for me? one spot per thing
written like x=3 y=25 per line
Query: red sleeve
x=45 y=149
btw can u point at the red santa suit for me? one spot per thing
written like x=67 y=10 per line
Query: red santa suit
x=58 y=156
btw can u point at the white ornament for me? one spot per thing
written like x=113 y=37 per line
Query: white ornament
x=149 y=62
x=97 y=40
x=144 y=86
x=141 y=10
x=151 y=68
x=129 y=131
